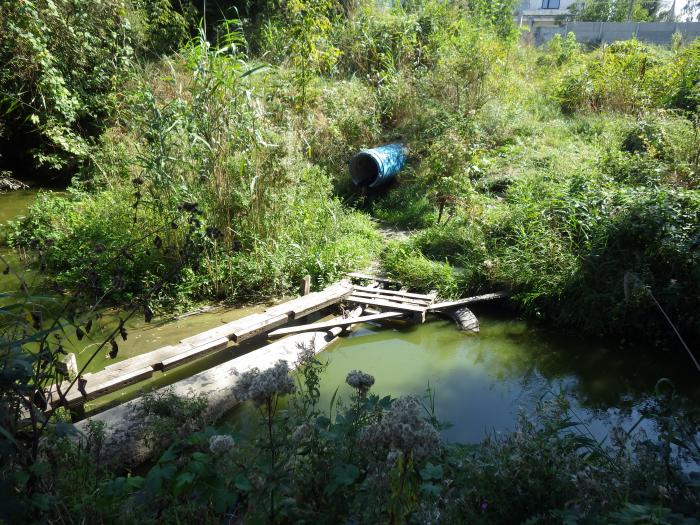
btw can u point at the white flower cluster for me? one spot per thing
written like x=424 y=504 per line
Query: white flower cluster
x=302 y=432
x=403 y=428
x=260 y=386
x=220 y=444
x=359 y=380
x=306 y=354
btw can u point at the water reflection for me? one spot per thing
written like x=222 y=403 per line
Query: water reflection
x=481 y=382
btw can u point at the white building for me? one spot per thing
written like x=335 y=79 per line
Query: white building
x=541 y=13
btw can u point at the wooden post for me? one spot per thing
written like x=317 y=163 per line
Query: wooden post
x=68 y=366
x=305 y=287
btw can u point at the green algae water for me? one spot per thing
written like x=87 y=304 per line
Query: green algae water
x=479 y=382
x=13 y=205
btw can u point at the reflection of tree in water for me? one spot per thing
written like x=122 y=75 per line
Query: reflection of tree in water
x=598 y=374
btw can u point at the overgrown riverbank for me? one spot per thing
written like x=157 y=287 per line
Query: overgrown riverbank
x=553 y=173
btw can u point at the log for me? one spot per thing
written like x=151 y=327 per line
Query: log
x=326 y=325
x=122 y=445
x=468 y=300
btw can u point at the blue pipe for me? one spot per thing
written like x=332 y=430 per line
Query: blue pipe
x=377 y=166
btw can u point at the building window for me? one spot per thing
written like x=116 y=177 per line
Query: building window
x=550 y=4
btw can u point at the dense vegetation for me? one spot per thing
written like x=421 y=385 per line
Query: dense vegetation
x=374 y=460
x=208 y=162
x=552 y=173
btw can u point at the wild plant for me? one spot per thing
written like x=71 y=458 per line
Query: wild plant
x=311 y=51
x=35 y=322
x=265 y=389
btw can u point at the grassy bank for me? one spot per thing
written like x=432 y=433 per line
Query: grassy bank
x=579 y=168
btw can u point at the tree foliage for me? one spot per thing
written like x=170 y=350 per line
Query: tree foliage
x=615 y=10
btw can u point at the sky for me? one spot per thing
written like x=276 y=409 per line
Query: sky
x=680 y=4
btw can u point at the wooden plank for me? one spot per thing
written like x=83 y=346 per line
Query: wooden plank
x=300 y=312
x=129 y=371
x=153 y=358
x=259 y=327
x=75 y=397
x=358 y=275
x=194 y=353
x=318 y=327
x=313 y=302
x=387 y=304
x=240 y=326
x=468 y=300
x=395 y=292
x=370 y=295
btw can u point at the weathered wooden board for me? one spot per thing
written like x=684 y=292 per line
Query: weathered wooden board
x=395 y=293
x=399 y=299
x=313 y=302
x=95 y=390
x=122 y=444
x=468 y=300
x=256 y=328
x=153 y=358
x=194 y=353
x=401 y=307
x=132 y=370
x=326 y=325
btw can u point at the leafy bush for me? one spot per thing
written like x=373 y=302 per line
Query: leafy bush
x=264 y=216
x=61 y=63
x=624 y=76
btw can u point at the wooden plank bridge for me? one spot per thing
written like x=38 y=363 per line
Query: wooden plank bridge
x=375 y=303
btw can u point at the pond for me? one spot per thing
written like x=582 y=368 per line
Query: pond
x=479 y=382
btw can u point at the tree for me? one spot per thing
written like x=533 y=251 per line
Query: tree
x=615 y=10
x=691 y=11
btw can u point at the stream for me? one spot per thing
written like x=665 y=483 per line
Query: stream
x=479 y=382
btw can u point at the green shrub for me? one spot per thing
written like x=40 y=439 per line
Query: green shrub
x=624 y=76
x=93 y=241
x=61 y=63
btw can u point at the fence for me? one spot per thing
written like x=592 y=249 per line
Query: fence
x=605 y=32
